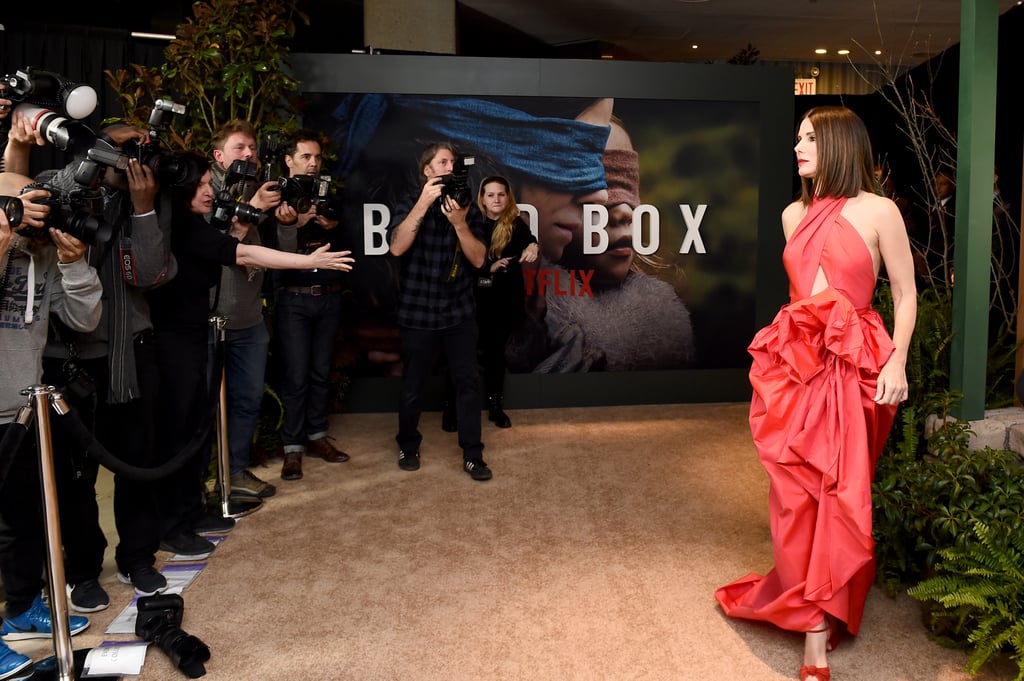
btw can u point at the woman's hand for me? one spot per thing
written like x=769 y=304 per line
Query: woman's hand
x=530 y=253
x=499 y=265
x=892 y=384
x=323 y=258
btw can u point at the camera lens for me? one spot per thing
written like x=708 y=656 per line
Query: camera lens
x=11 y=206
x=88 y=228
x=246 y=213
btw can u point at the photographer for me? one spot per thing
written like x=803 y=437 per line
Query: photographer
x=437 y=238
x=39 y=277
x=180 y=313
x=239 y=298
x=119 y=358
x=307 y=316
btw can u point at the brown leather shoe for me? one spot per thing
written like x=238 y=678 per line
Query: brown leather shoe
x=292 y=468
x=323 y=449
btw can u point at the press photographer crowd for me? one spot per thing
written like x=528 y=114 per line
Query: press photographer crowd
x=132 y=279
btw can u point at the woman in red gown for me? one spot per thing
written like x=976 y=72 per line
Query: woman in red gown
x=827 y=378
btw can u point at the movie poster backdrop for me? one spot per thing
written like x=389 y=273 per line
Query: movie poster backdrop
x=649 y=251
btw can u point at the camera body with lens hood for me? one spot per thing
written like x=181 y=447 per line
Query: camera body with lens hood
x=159 y=621
x=78 y=212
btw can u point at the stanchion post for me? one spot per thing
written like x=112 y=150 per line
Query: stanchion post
x=41 y=397
x=229 y=509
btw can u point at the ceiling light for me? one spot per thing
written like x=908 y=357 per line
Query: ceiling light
x=843 y=52
x=695 y=45
x=877 y=52
x=821 y=50
x=153 y=36
x=607 y=56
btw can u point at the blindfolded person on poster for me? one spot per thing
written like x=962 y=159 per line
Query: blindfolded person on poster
x=591 y=312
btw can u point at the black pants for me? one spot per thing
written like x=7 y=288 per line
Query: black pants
x=126 y=430
x=23 y=548
x=419 y=351
x=183 y=407
x=82 y=536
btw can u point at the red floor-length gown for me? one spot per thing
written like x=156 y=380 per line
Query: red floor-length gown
x=817 y=431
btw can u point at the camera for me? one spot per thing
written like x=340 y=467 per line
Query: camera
x=78 y=212
x=229 y=202
x=169 y=168
x=302 y=192
x=159 y=621
x=53 y=105
x=50 y=91
x=456 y=185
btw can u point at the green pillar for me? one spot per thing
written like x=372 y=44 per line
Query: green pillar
x=979 y=32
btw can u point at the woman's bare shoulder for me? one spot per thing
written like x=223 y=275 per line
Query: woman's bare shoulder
x=792 y=215
x=873 y=203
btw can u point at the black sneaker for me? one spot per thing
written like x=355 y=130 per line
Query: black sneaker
x=187 y=544
x=213 y=523
x=87 y=596
x=477 y=469
x=146 y=580
x=408 y=461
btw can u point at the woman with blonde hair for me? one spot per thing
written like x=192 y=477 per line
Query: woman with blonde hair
x=500 y=291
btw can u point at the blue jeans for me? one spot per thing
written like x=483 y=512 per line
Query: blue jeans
x=306 y=326
x=419 y=351
x=245 y=365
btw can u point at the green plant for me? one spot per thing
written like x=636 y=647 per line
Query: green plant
x=228 y=61
x=980 y=585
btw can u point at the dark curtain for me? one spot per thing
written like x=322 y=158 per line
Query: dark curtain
x=80 y=54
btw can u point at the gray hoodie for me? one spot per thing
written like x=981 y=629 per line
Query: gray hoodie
x=34 y=286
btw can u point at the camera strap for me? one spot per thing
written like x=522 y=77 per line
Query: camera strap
x=126 y=259
x=453 y=270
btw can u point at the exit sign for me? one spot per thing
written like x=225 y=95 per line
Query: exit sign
x=805 y=86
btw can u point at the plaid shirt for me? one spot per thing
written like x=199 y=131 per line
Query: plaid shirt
x=426 y=299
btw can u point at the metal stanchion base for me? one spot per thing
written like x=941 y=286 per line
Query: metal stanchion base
x=235 y=508
x=46 y=670
x=239 y=508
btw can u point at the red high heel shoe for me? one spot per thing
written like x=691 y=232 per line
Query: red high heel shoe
x=819 y=673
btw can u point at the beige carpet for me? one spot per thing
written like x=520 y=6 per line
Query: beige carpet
x=592 y=554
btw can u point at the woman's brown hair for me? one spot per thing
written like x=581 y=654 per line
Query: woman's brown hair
x=845 y=166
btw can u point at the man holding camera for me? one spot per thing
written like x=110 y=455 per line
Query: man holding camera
x=239 y=298
x=119 y=358
x=39 y=277
x=437 y=240
x=307 y=314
